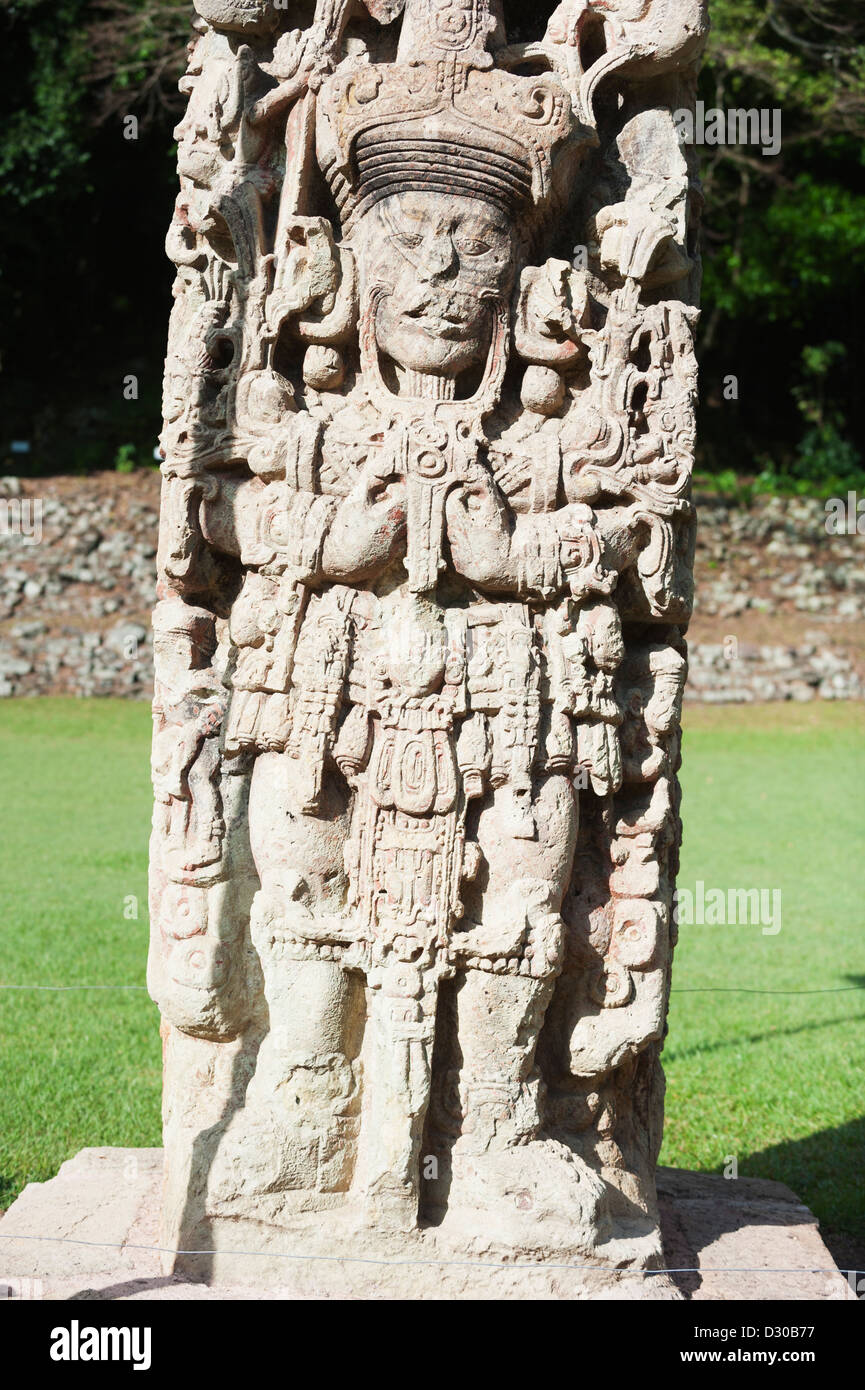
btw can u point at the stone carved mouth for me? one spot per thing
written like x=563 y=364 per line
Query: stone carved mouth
x=440 y=326
x=449 y=317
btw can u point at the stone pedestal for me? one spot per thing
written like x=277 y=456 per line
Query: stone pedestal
x=93 y=1231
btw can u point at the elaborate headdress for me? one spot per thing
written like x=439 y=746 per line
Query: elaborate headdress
x=442 y=118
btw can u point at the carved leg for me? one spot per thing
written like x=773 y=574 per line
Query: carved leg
x=509 y=1183
x=499 y=1016
x=297 y=1131
x=499 y=1019
x=402 y=1014
x=302 y=1102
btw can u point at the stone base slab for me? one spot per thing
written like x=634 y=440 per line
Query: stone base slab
x=92 y=1233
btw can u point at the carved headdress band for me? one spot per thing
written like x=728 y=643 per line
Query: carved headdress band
x=444 y=120
x=431 y=155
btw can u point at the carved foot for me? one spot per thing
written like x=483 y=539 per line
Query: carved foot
x=537 y=1198
x=390 y=1206
x=259 y=1154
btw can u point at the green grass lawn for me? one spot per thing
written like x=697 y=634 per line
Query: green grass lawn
x=80 y=1067
x=773 y=799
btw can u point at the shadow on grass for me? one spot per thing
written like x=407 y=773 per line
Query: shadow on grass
x=826 y=1170
x=671 y=1054
x=854 y=982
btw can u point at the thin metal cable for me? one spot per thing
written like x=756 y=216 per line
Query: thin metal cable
x=61 y=988
x=677 y=989
x=744 y=989
x=469 y=1264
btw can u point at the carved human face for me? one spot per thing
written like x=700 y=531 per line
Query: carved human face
x=203 y=139
x=444 y=262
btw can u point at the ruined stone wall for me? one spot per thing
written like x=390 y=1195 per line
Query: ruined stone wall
x=75 y=606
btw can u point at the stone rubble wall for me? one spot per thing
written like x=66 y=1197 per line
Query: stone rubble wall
x=763 y=673
x=74 y=607
x=791 y=596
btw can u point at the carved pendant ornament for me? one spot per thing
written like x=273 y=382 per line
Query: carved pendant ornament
x=424 y=577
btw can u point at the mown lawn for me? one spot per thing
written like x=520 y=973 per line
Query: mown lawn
x=79 y=1067
x=773 y=799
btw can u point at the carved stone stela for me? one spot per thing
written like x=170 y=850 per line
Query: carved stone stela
x=424 y=577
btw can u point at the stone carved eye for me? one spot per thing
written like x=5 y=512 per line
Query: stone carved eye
x=471 y=246
x=410 y=239
x=403 y=227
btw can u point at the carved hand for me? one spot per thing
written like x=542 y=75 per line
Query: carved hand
x=367 y=531
x=480 y=534
x=622 y=535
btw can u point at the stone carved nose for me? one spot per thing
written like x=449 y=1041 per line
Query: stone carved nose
x=439 y=257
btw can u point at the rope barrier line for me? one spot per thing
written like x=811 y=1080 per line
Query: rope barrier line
x=59 y=989
x=677 y=989
x=462 y=1264
x=744 y=989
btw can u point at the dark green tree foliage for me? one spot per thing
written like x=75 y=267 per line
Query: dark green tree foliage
x=43 y=66
x=84 y=283
x=784 y=245
x=85 y=288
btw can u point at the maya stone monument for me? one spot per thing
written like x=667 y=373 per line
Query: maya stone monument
x=424 y=576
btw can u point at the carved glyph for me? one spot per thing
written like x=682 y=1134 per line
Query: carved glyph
x=425 y=573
